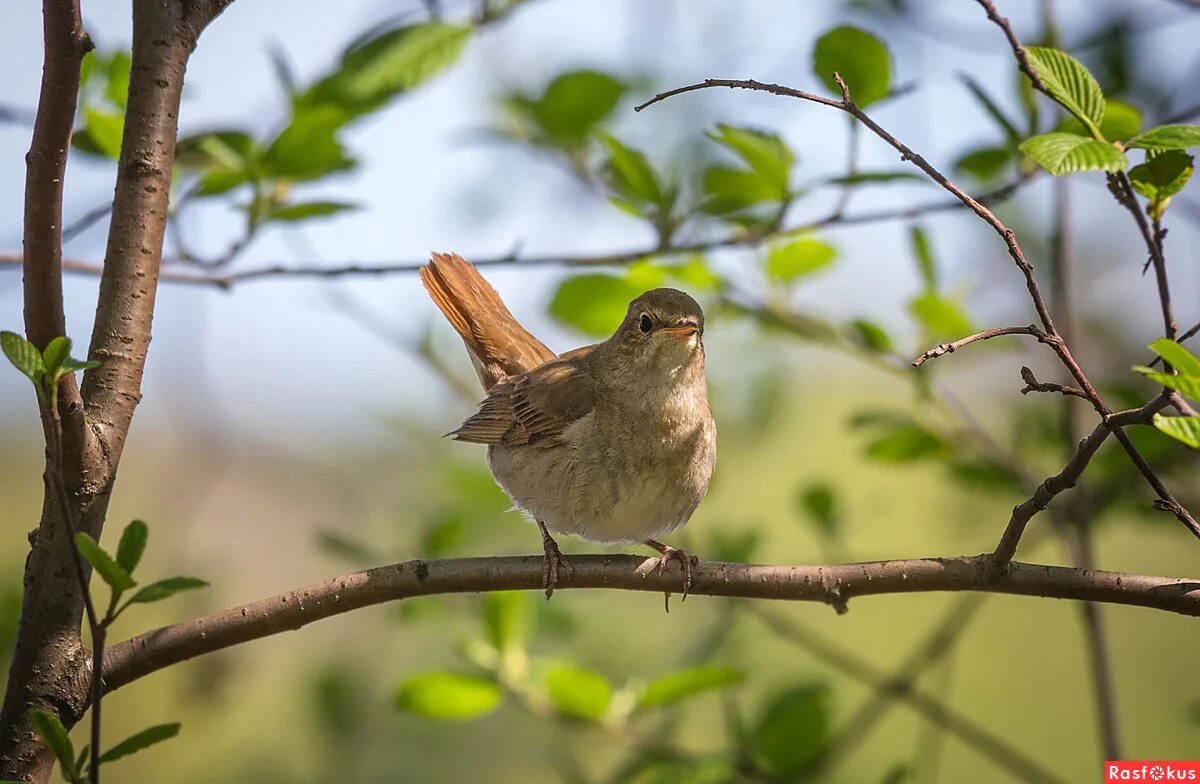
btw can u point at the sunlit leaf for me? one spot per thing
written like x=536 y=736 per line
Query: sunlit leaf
x=983 y=163
x=689 y=682
x=791 y=734
x=904 y=443
x=1068 y=153
x=117 y=88
x=1070 y=83
x=135 y=743
x=821 y=505
x=942 y=318
x=52 y=732
x=1180 y=358
x=55 y=353
x=104 y=130
x=765 y=153
x=862 y=60
x=579 y=693
x=292 y=213
x=448 y=696
x=23 y=355
x=575 y=104
x=728 y=189
x=923 y=254
x=629 y=174
x=876 y=177
x=799 y=258
x=1161 y=177
x=594 y=303
x=164 y=589
x=132 y=545
x=1121 y=121
x=1167 y=137
x=308 y=147
x=108 y=569
x=1181 y=428
x=870 y=336
x=507 y=617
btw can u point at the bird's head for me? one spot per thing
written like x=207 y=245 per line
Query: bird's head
x=662 y=330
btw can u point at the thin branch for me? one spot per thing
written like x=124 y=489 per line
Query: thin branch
x=962 y=726
x=1033 y=385
x=1065 y=479
x=987 y=334
x=273 y=271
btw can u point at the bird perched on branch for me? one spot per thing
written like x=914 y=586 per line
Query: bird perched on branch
x=613 y=442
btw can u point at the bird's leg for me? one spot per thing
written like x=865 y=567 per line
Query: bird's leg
x=685 y=560
x=554 y=561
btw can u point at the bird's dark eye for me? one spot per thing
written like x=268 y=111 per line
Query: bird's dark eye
x=645 y=324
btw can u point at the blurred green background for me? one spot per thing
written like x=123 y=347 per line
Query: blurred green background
x=291 y=428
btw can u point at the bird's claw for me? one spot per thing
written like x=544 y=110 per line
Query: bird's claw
x=555 y=561
x=686 y=562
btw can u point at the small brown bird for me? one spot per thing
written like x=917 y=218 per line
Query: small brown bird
x=613 y=442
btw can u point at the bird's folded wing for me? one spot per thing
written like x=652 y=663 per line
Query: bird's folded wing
x=532 y=408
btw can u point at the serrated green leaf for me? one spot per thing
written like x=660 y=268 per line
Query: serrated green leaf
x=292 y=213
x=821 y=505
x=983 y=163
x=579 y=693
x=765 y=153
x=1071 y=84
x=1067 y=153
x=941 y=317
x=1183 y=429
x=507 y=617
x=594 y=303
x=629 y=174
x=108 y=569
x=870 y=336
x=377 y=69
x=1180 y=358
x=448 y=696
x=132 y=545
x=678 y=686
x=1121 y=121
x=141 y=740
x=163 y=589
x=55 y=353
x=104 y=130
x=862 y=60
x=1161 y=177
x=1167 y=137
x=790 y=736
x=1185 y=385
x=923 y=254
x=308 y=148
x=52 y=732
x=23 y=355
x=799 y=258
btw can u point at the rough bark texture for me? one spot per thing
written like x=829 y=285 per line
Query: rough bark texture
x=49 y=661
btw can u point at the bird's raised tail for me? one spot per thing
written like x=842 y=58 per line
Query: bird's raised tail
x=499 y=346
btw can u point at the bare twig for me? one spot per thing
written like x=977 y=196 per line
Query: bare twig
x=987 y=334
x=958 y=724
x=1033 y=385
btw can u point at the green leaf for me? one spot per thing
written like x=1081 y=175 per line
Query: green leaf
x=629 y=174
x=860 y=58
x=448 y=696
x=52 y=732
x=941 y=317
x=594 y=303
x=219 y=181
x=1067 y=153
x=576 y=692
x=728 y=189
x=923 y=253
x=308 y=148
x=71 y=365
x=765 y=153
x=1121 y=121
x=1180 y=358
x=104 y=130
x=117 y=88
x=799 y=258
x=375 y=70
x=1070 y=83
x=163 y=589
x=983 y=163
x=138 y=741
x=695 y=273
x=574 y=104
x=292 y=213
x=506 y=616
x=821 y=504
x=1183 y=429
x=230 y=150
x=54 y=355
x=1161 y=177
x=792 y=732
x=23 y=355
x=108 y=569
x=442 y=535
x=132 y=545
x=689 y=682
x=1167 y=137
x=870 y=336
x=904 y=443
x=861 y=178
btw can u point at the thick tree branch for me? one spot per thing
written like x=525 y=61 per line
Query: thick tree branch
x=833 y=585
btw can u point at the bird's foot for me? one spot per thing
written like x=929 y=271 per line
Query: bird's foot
x=686 y=562
x=555 y=562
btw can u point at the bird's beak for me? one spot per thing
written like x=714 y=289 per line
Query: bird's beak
x=684 y=329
